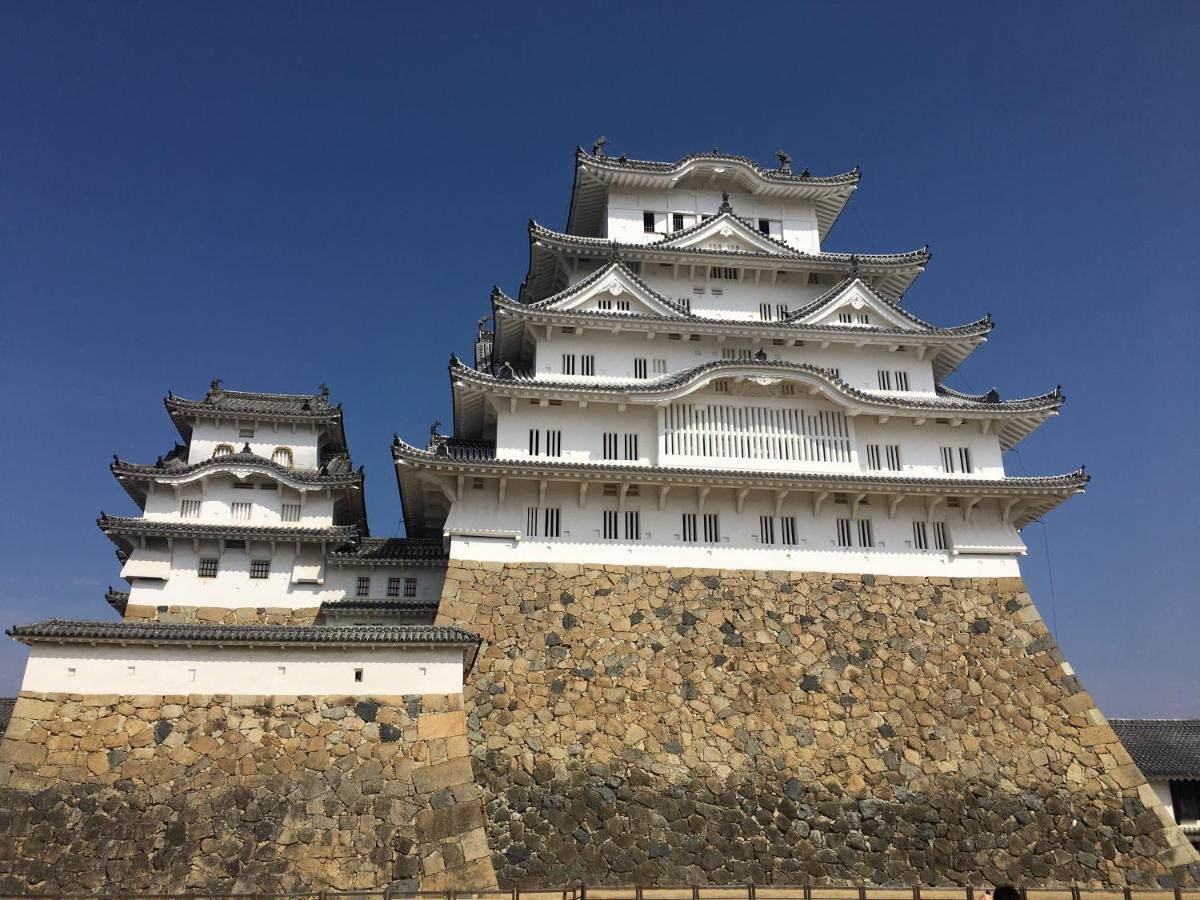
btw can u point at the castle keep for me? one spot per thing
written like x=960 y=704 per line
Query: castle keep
x=712 y=580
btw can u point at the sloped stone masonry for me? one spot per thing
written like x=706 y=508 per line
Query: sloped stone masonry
x=664 y=726
x=128 y=794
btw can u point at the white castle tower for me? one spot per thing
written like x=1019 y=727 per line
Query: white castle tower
x=686 y=379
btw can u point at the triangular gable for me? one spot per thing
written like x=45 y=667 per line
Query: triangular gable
x=725 y=232
x=613 y=289
x=856 y=299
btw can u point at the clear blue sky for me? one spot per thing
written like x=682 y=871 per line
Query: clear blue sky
x=282 y=194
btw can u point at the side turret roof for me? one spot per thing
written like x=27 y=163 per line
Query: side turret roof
x=121 y=529
x=392 y=551
x=255 y=406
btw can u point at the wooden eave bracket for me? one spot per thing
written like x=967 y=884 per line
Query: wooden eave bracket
x=741 y=495
x=969 y=507
x=893 y=502
x=663 y=490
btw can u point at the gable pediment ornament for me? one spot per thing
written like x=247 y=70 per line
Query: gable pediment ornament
x=614 y=287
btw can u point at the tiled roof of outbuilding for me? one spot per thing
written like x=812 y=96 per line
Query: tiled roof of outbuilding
x=393 y=604
x=322 y=475
x=393 y=550
x=53 y=630
x=1162 y=748
x=115 y=526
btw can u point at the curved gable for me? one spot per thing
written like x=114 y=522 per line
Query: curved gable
x=612 y=289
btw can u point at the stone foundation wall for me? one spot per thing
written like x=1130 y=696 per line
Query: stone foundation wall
x=651 y=725
x=222 y=615
x=156 y=793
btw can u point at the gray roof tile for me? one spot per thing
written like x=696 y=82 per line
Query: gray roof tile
x=1162 y=748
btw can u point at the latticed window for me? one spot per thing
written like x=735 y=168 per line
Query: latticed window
x=282 y=456
x=788 y=527
x=712 y=528
x=689 y=527
x=240 y=511
x=260 y=568
x=362 y=587
x=290 y=512
x=610 y=524
x=393 y=588
x=222 y=450
x=207 y=568
x=920 y=536
x=189 y=509
x=410 y=587
x=551 y=519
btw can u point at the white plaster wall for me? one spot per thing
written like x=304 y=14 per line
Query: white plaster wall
x=482 y=527
x=233 y=587
x=138 y=669
x=303 y=439
x=216 y=493
x=583 y=430
x=615 y=354
x=625 y=210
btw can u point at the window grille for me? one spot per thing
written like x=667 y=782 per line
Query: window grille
x=885 y=380
x=610 y=524
x=222 y=450
x=781 y=311
x=639 y=368
x=393 y=587
x=788 y=530
x=846 y=318
x=604 y=304
x=568 y=364
x=866 y=535
x=531 y=521
x=660 y=367
x=725 y=273
x=260 y=568
x=610 y=490
x=535 y=442
x=835 y=373
x=633 y=525
x=610 y=445
x=268 y=486
x=686 y=303
x=554 y=443
x=863 y=319
x=677 y=221
x=948 y=459
x=738 y=353
x=721 y=387
x=631 y=446
x=282 y=456
x=240 y=511
x=873 y=457
x=587 y=364
x=362 y=587
x=207 y=568
x=551 y=519
x=920 y=536
x=623 y=306
x=901 y=381
x=788 y=389
x=766 y=529
x=893 y=457
x=243 y=485
x=689 y=527
x=190 y=509
x=964 y=460
x=939 y=536
x=290 y=512
x=410 y=587
x=712 y=528
x=245 y=432
x=843 y=533
x=648 y=222
x=756 y=432
x=764 y=312
x=814 y=278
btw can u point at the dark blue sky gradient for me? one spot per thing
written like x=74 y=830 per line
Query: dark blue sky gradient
x=282 y=194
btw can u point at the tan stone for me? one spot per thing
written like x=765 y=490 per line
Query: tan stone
x=442 y=775
x=441 y=725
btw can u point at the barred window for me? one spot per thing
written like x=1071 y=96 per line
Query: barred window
x=901 y=381
x=568 y=364
x=639 y=368
x=189 y=509
x=610 y=524
x=723 y=272
x=531 y=521
x=410 y=587
x=587 y=364
x=866 y=535
x=240 y=511
x=290 y=512
x=712 y=528
x=660 y=367
x=939 y=536
x=885 y=379
x=843 y=533
x=788 y=529
x=222 y=450
x=920 y=536
x=610 y=445
x=633 y=525
x=260 y=568
x=689 y=527
x=551 y=520
x=393 y=587
x=282 y=456
x=207 y=568
x=631 y=446
x=766 y=530
x=362 y=587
